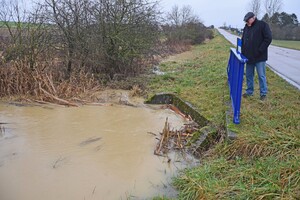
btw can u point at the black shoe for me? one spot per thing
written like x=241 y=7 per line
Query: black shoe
x=245 y=95
x=263 y=97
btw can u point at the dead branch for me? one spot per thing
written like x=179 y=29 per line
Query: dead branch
x=175 y=139
x=58 y=161
x=51 y=84
x=89 y=141
x=152 y=133
x=58 y=99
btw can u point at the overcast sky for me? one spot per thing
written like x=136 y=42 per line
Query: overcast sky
x=231 y=12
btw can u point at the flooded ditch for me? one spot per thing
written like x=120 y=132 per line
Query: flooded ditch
x=88 y=152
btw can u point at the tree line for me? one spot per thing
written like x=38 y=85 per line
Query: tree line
x=284 y=26
x=104 y=37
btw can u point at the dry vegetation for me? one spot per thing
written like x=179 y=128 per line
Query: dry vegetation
x=67 y=50
x=175 y=139
x=44 y=85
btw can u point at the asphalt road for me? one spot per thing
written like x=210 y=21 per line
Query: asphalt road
x=284 y=62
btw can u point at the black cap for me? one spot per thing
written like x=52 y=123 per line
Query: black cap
x=248 y=16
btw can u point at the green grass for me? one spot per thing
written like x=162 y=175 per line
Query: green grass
x=287 y=44
x=263 y=162
x=197 y=80
x=11 y=24
x=16 y=24
x=240 y=179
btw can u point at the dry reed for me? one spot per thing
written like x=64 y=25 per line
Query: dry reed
x=44 y=85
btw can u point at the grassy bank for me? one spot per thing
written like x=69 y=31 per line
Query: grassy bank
x=287 y=44
x=263 y=163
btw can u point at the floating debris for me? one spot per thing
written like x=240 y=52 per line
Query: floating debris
x=89 y=141
x=58 y=162
x=2 y=131
x=175 y=139
x=98 y=148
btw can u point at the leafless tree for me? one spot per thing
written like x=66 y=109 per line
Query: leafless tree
x=174 y=16
x=272 y=6
x=126 y=31
x=103 y=36
x=109 y=36
x=179 y=17
x=12 y=14
x=183 y=26
x=24 y=32
x=255 y=7
x=71 y=27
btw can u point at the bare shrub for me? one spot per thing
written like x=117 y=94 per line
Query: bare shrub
x=184 y=27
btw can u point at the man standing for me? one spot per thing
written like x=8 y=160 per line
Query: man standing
x=256 y=39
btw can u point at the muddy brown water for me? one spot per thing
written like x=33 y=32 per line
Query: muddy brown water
x=88 y=152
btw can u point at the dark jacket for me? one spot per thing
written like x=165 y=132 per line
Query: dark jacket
x=255 y=41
